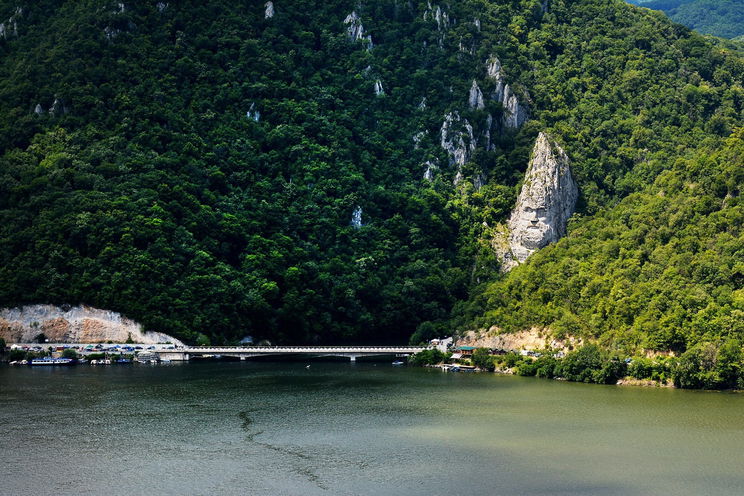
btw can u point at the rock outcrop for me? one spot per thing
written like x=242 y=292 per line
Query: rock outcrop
x=355 y=29
x=475 y=97
x=430 y=169
x=515 y=111
x=356 y=217
x=79 y=324
x=534 y=339
x=269 y=12
x=547 y=200
x=457 y=139
x=10 y=27
x=379 y=90
x=253 y=113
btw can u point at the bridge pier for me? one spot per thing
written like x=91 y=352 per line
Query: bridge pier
x=352 y=358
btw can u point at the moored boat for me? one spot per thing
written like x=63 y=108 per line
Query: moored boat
x=52 y=361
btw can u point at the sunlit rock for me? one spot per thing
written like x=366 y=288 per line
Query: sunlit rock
x=546 y=202
x=253 y=113
x=457 y=138
x=269 y=12
x=356 y=217
x=431 y=168
x=378 y=88
x=475 y=97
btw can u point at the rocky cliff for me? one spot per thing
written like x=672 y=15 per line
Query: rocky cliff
x=547 y=200
x=68 y=324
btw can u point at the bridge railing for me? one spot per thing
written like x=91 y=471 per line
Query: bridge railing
x=311 y=349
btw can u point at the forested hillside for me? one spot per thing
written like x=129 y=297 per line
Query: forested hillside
x=724 y=18
x=227 y=169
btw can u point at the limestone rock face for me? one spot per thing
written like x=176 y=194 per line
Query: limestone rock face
x=457 y=138
x=80 y=324
x=431 y=168
x=355 y=29
x=356 y=217
x=515 y=111
x=379 y=91
x=547 y=200
x=269 y=12
x=475 y=97
x=253 y=113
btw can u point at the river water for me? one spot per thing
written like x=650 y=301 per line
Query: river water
x=338 y=428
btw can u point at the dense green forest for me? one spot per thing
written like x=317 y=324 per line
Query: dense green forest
x=724 y=18
x=212 y=172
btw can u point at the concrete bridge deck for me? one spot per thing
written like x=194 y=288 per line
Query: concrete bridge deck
x=244 y=352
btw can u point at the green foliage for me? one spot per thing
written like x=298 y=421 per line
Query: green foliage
x=660 y=271
x=69 y=353
x=149 y=190
x=482 y=359
x=591 y=364
x=544 y=366
x=710 y=365
x=724 y=18
x=16 y=355
x=428 y=357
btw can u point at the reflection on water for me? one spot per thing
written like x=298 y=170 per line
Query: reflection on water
x=263 y=428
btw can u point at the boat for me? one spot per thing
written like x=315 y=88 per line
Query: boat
x=398 y=363
x=52 y=361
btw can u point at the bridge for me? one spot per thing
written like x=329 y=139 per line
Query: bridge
x=245 y=352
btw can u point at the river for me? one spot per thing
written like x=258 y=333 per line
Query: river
x=344 y=429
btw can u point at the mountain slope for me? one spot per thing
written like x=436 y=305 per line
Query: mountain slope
x=214 y=172
x=724 y=18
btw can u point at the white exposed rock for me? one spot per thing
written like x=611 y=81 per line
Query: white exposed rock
x=477 y=24
x=487 y=132
x=10 y=27
x=417 y=138
x=356 y=217
x=56 y=108
x=515 y=114
x=161 y=6
x=546 y=202
x=422 y=104
x=378 y=88
x=39 y=110
x=355 y=29
x=120 y=8
x=457 y=138
x=269 y=12
x=111 y=33
x=493 y=67
x=79 y=324
x=442 y=18
x=479 y=181
x=253 y=113
x=430 y=169
x=475 y=98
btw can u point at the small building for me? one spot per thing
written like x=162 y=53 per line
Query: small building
x=441 y=344
x=466 y=351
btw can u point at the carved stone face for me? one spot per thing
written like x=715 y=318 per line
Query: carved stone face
x=533 y=228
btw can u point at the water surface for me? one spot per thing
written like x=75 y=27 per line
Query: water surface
x=337 y=428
